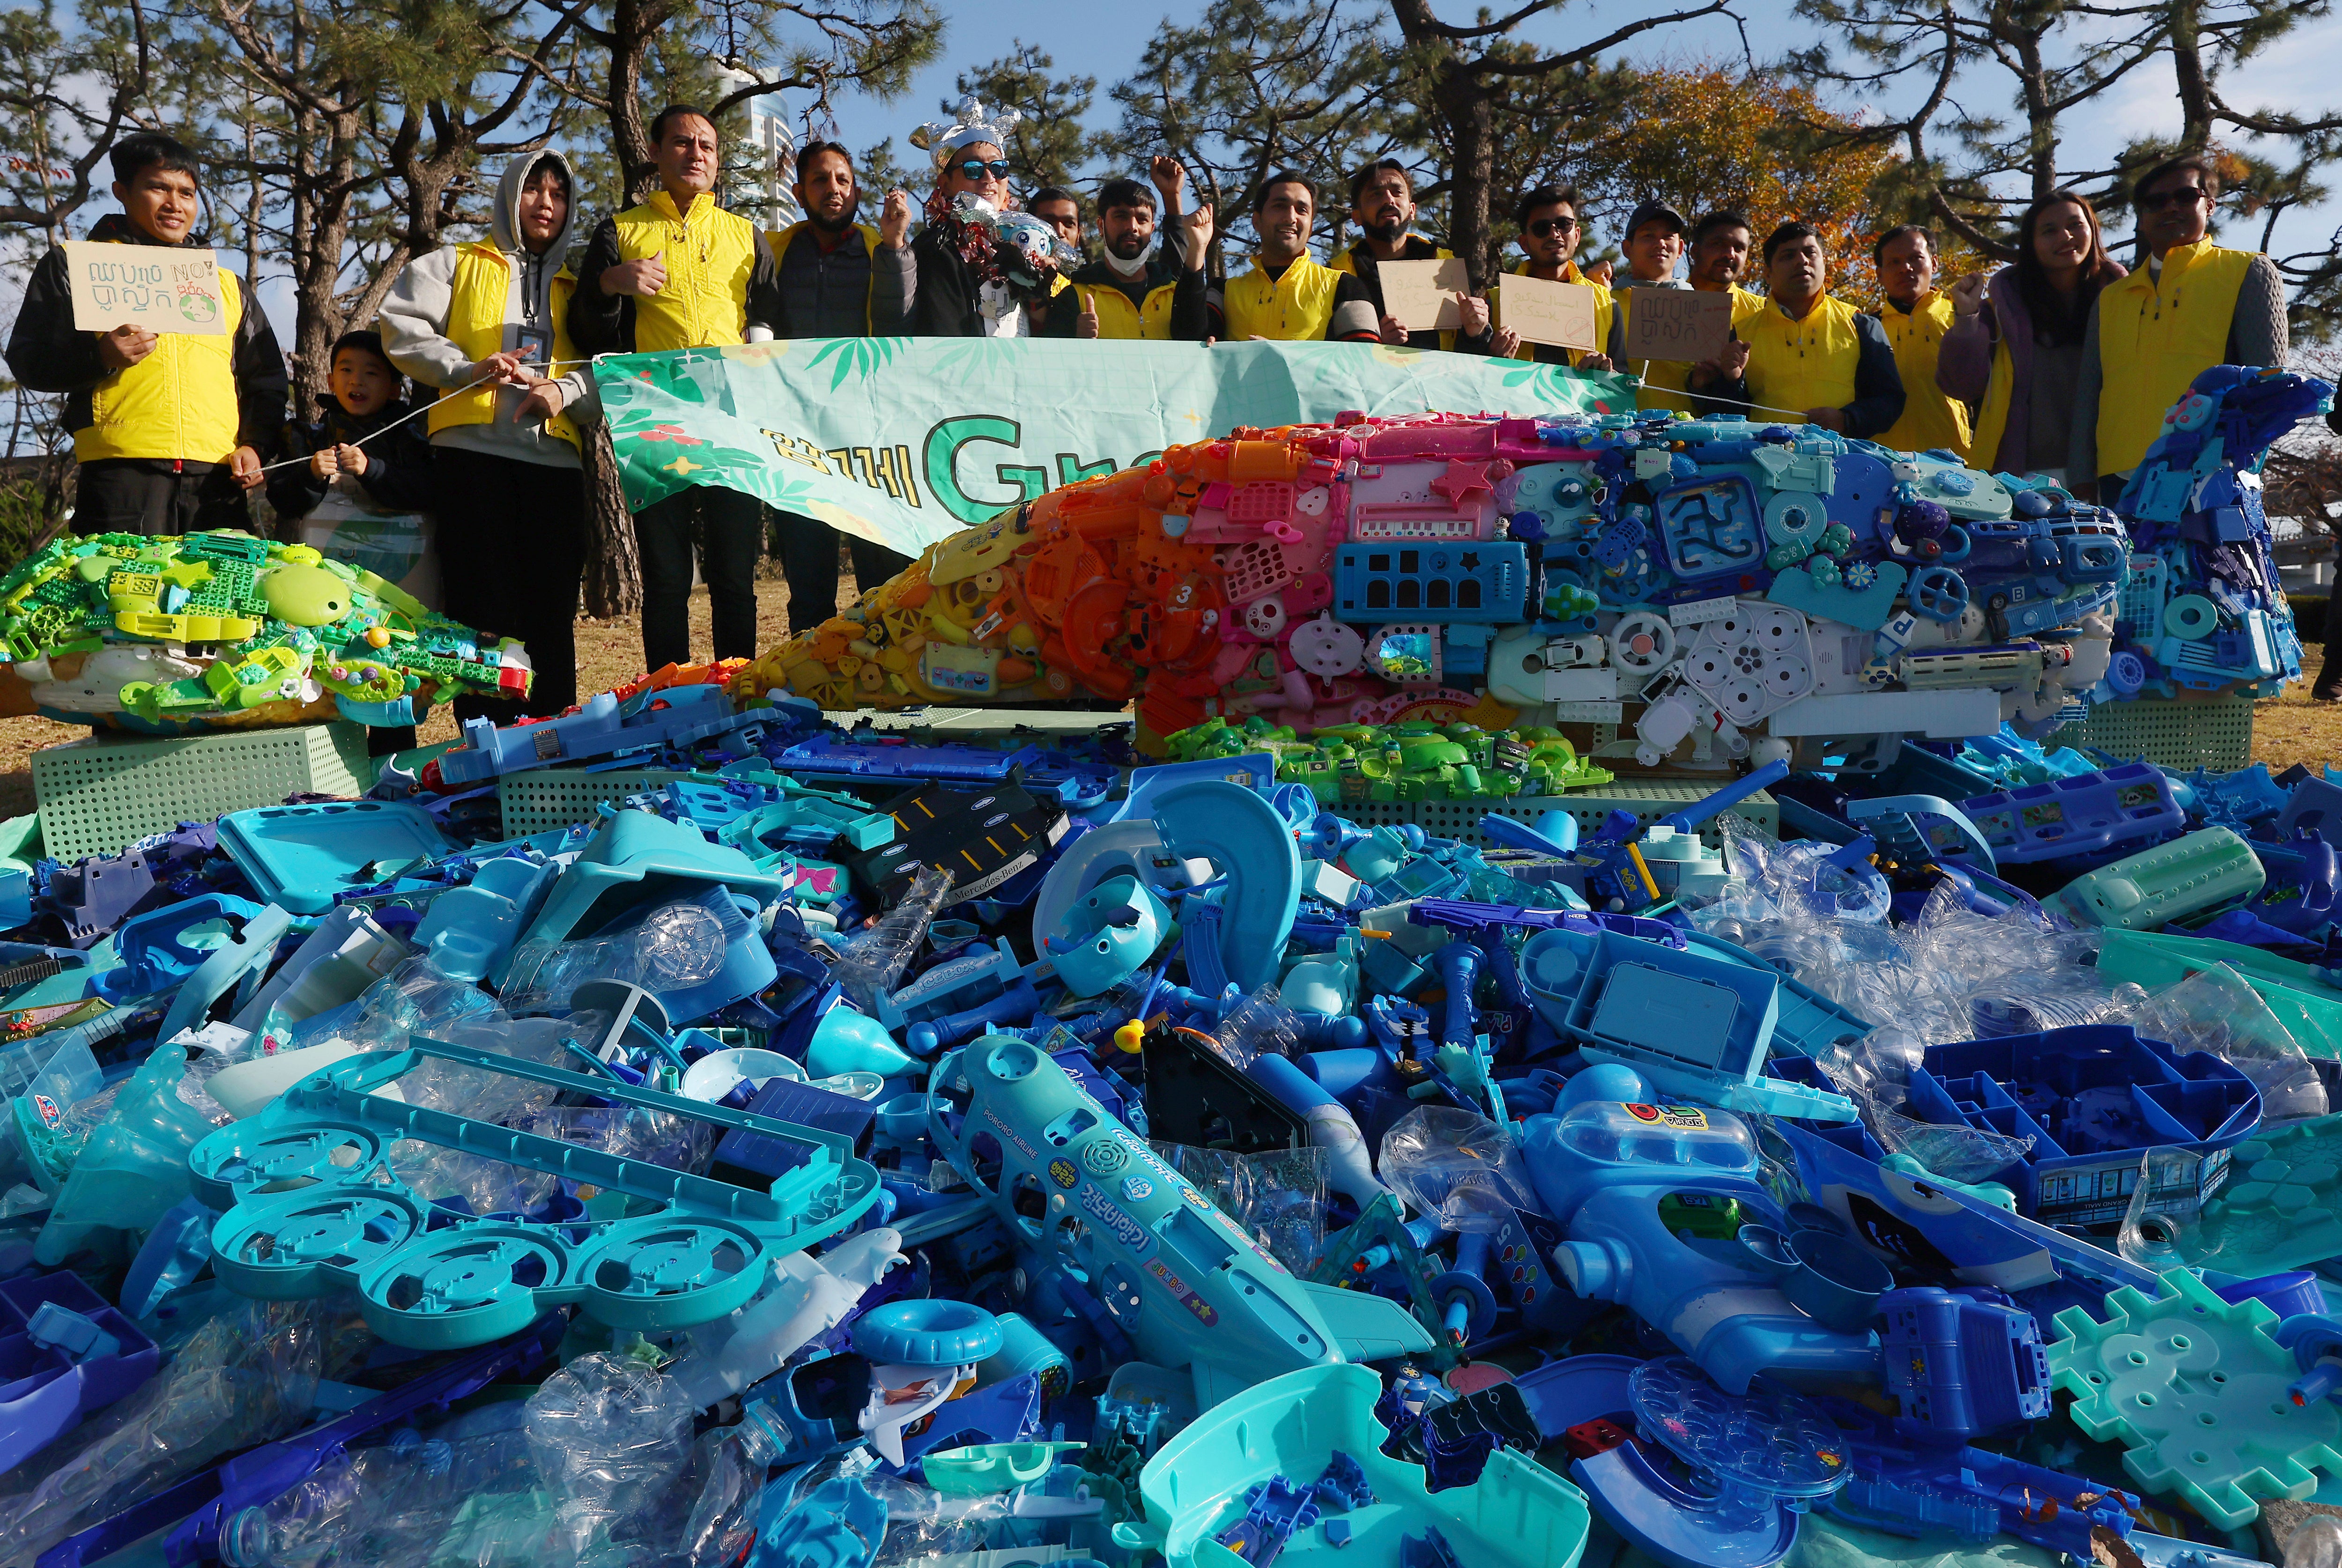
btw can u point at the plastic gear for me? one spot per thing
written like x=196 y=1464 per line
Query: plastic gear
x=2194 y=1388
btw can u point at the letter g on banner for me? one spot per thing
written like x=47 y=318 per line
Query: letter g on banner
x=940 y=456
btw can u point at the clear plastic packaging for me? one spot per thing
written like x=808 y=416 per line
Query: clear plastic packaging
x=389 y=1504
x=2316 y=1543
x=1458 y=1165
x=730 y=1464
x=873 y=960
x=1277 y=1197
x=2216 y=1010
x=666 y=947
x=1258 y=1025
x=612 y=1438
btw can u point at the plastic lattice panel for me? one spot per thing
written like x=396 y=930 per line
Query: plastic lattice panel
x=545 y=798
x=1460 y=819
x=2195 y=1390
x=99 y=794
x=2215 y=733
x=1253 y=568
x=1261 y=501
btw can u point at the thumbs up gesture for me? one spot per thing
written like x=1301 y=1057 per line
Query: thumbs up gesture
x=1086 y=323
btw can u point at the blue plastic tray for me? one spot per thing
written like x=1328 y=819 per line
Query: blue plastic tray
x=301 y=858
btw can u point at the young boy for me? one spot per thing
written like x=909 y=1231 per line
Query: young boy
x=343 y=481
x=169 y=430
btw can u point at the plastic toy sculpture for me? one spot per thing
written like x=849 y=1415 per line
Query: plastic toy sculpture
x=1721 y=588
x=224 y=631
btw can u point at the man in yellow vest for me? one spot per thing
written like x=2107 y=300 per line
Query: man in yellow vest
x=1808 y=354
x=168 y=428
x=1548 y=219
x=1289 y=296
x=1382 y=204
x=482 y=322
x=1136 y=288
x=2192 y=305
x=680 y=272
x=1916 y=317
x=1718 y=246
x=830 y=286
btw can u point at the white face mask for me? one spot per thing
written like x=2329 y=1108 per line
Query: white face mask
x=1137 y=263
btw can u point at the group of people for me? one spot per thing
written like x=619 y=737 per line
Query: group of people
x=2063 y=362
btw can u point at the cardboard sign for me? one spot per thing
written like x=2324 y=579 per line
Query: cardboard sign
x=1677 y=324
x=161 y=288
x=1547 y=311
x=1422 y=294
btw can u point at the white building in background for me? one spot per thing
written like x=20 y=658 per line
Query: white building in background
x=775 y=148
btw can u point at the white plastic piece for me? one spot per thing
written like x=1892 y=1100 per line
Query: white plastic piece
x=1665 y=725
x=1580 y=685
x=1516 y=665
x=719 y=1073
x=347 y=953
x=1959 y=714
x=1842 y=655
x=1700 y=609
x=808 y=1297
x=901 y=1396
x=251 y=1087
x=1752 y=662
x=1641 y=642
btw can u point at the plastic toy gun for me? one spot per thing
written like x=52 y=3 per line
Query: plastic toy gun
x=1612 y=861
x=1094 y=1211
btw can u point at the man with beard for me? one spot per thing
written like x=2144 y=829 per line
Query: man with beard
x=829 y=288
x=1135 y=289
x=1382 y=204
x=1290 y=296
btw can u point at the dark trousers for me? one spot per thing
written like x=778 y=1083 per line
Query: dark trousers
x=512 y=551
x=156 y=495
x=2329 y=674
x=730 y=537
x=808 y=552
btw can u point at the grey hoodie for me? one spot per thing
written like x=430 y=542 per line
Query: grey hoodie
x=413 y=321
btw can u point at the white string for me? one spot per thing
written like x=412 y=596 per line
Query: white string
x=426 y=408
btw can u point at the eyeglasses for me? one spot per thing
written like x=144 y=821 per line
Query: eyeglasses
x=976 y=168
x=2185 y=196
x=1546 y=228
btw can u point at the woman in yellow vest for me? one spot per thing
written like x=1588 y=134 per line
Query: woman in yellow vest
x=1289 y=296
x=2192 y=305
x=483 y=322
x=1916 y=317
x=2015 y=349
x=1807 y=354
x=169 y=427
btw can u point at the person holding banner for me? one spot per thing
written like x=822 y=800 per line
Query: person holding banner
x=170 y=427
x=831 y=285
x=1808 y=353
x=680 y=272
x=1136 y=288
x=485 y=324
x=1548 y=219
x=1290 y=296
x=1915 y=318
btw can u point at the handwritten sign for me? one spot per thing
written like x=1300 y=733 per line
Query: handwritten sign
x=160 y=288
x=1547 y=311
x=1422 y=294
x=1677 y=323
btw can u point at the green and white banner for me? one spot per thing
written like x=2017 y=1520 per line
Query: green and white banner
x=906 y=440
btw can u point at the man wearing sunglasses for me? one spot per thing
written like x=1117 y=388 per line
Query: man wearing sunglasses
x=2194 y=304
x=1382 y=204
x=1548 y=219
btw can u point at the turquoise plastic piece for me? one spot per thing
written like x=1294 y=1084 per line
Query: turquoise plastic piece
x=850 y=1041
x=135 y=1166
x=469 y=930
x=234 y=965
x=1241 y=835
x=933 y=1332
x=639 y=859
x=2194 y=1389
x=2202 y=872
x=303 y=856
x=2280 y=1209
x=1110 y=931
x=989 y=1467
x=1517 y=1513
x=692 y=1250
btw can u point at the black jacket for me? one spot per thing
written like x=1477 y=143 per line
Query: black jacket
x=398 y=465
x=46 y=355
x=1191 y=316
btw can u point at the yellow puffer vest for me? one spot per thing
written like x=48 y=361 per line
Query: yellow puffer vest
x=1294 y=308
x=2157 y=335
x=1930 y=419
x=1569 y=274
x=476 y=299
x=1664 y=380
x=1117 y=317
x=177 y=403
x=781 y=239
x=710 y=256
x=1794 y=365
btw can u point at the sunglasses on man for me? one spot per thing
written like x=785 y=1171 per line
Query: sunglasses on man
x=1546 y=228
x=2185 y=196
x=976 y=168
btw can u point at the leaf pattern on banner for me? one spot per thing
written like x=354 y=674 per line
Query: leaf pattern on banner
x=859 y=357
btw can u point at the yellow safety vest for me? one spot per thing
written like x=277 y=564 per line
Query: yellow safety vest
x=1992 y=415
x=2155 y=337
x=1569 y=274
x=781 y=239
x=1117 y=317
x=1348 y=262
x=1794 y=365
x=1292 y=308
x=1665 y=381
x=710 y=256
x=477 y=298
x=177 y=403
x=1930 y=419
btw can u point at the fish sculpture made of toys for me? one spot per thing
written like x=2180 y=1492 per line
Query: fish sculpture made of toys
x=221 y=630
x=1720 y=588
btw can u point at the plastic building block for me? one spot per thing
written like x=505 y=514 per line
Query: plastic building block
x=1962 y=1362
x=700 y=1249
x=2194 y=1389
x=2205 y=871
x=2076 y=815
